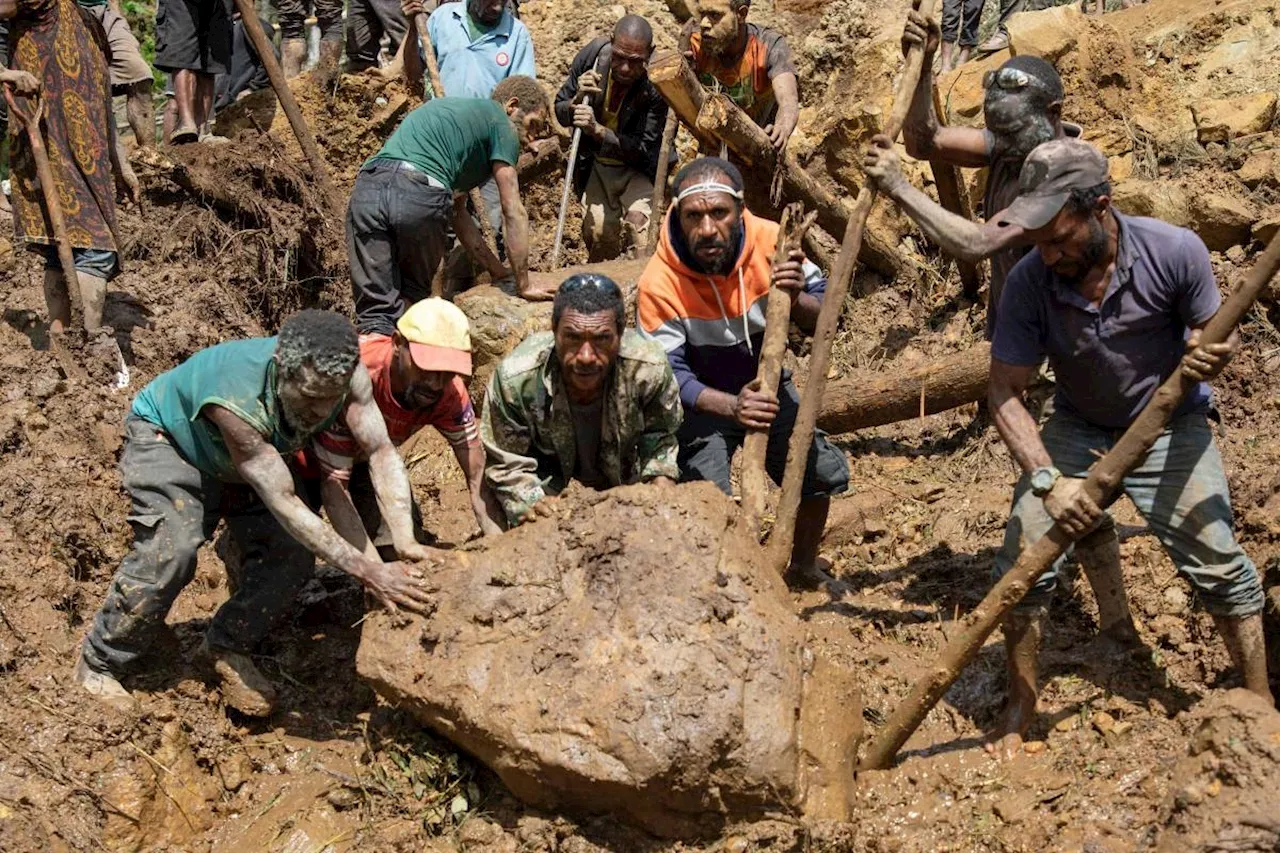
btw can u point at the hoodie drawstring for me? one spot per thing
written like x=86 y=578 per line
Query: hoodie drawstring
x=742 y=300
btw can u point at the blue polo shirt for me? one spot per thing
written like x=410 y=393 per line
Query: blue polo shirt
x=1108 y=360
x=471 y=69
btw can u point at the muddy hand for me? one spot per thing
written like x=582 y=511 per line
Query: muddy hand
x=410 y=8
x=1070 y=506
x=882 y=165
x=921 y=31
x=398 y=585
x=22 y=82
x=589 y=83
x=1203 y=363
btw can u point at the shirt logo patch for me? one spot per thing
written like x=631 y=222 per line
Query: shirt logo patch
x=502 y=59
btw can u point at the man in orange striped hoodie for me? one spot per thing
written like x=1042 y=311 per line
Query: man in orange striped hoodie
x=703 y=297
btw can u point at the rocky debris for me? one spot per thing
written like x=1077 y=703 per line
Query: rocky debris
x=1261 y=168
x=1224 y=790
x=1222 y=119
x=1265 y=229
x=1222 y=221
x=628 y=656
x=1048 y=33
x=1158 y=199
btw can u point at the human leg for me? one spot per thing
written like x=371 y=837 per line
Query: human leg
x=419 y=216
x=169 y=525
x=130 y=75
x=363 y=35
x=179 y=48
x=707 y=445
x=601 y=216
x=636 y=200
x=186 y=101
x=1181 y=490
x=371 y=251
x=390 y=21
x=292 y=15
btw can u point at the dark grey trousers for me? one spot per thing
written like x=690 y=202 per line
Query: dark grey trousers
x=398 y=230
x=176 y=508
x=367 y=22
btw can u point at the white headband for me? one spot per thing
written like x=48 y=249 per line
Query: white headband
x=708 y=187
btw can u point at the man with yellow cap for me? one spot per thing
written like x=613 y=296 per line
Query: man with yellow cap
x=418 y=375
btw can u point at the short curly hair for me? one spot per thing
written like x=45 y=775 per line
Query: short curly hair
x=589 y=293
x=322 y=339
x=528 y=94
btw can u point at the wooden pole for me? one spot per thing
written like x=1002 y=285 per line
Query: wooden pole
x=1104 y=478
x=954 y=196
x=435 y=89
x=777 y=322
x=306 y=140
x=564 y=196
x=658 y=208
x=829 y=319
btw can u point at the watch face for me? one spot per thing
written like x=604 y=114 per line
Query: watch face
x=1042 y=480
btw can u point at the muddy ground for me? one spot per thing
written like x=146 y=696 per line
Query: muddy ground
x=1134 y=752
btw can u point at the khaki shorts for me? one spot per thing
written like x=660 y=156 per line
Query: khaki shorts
x=127 y=65
x=612 y=192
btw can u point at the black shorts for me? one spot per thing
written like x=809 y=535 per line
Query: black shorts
x=193 y=35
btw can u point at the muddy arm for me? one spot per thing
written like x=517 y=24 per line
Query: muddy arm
x=345 y=518
x=471 y=457
x=1013 y=421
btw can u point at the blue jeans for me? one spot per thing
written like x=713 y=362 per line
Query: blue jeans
x=1179 y=487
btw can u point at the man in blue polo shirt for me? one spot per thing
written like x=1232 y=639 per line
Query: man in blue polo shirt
x=478 y=44
x=1116 y=304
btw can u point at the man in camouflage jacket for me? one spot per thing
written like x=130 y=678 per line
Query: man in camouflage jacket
x=590 y=401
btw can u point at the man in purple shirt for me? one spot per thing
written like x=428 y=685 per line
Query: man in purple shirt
x=1116 y=304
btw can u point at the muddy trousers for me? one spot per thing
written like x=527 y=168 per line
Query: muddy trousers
x=1179 y=487
x=367 y=22
x=176 y=508
x=292 y=15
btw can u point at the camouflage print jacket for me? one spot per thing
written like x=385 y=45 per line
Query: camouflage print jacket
x=528 y=434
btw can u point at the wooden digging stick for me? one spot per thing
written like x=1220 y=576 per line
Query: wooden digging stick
x=954 y=196
x=306 y=140
x=658 y=208
x=564 y=196
x=30 y=122
x=436 y=90
x=777 y=322
x=784 y=531
x=1104 y=477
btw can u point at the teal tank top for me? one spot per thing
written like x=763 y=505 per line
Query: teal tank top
x=239 y=376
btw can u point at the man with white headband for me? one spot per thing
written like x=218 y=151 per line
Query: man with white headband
x=703 y=297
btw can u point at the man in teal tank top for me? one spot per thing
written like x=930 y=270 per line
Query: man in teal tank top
x=205 y=443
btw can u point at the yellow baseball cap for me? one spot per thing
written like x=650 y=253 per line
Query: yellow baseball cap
x=439 y=336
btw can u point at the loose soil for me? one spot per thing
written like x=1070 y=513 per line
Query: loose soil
x=232 y=238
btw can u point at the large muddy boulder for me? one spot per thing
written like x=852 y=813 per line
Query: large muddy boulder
x=630 y=656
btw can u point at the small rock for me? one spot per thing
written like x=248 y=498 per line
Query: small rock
x=1049 y=33
x=1266 y=227
x=1261 y=167
x=1158 y=199
x=1175 y=600
x=1236 y=254
x=343 y=798
x=1033 y=747
x=235 y=771
x=1121 y=728
x=1067 y=724
x=736 y=844
x=1227 y=118
x=1103 y=722
x=1222 y=221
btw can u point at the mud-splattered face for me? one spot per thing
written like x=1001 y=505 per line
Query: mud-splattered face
x=719 y=24
x=1018 y=121
x=586 y=346
x=308 y=397
x=1074 y=242
x=627 y=62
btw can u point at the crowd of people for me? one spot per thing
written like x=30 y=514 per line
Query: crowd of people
x=267 y=433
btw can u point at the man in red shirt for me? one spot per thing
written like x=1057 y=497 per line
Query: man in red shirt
x=417 y=376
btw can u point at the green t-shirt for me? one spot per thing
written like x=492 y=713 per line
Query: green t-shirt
x=90 y=4
x=475 y=29
x=455 y=140
x=239 y=376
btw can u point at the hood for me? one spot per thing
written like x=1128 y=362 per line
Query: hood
x=675 y=252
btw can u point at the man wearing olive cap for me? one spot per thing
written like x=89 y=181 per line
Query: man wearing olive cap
x=418 y=375
x=1116 y=303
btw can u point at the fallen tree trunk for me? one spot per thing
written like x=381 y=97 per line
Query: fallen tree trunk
x=683 y=93
x=1104 y=478
x=854 y=403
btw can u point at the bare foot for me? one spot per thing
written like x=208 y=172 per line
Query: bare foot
x=1005 y=741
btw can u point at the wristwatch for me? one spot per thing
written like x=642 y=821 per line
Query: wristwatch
x=1042 y=480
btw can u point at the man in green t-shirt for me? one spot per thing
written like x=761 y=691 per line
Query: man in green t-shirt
x=204 y=443
x=407 y=195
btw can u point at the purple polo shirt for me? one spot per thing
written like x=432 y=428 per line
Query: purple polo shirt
x=1109 y=360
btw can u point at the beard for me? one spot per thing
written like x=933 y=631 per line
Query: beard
x=1095 y=247
x=727 y=258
